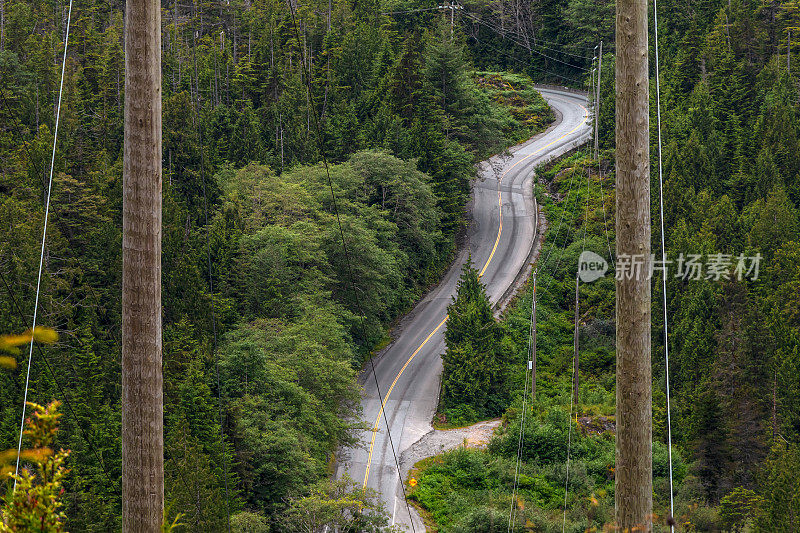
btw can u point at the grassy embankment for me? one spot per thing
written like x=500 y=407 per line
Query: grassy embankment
x=521 y=109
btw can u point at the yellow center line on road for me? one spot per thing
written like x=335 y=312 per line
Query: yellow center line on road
x=485 y=266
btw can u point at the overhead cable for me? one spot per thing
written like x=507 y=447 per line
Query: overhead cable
x=44 y=240
x=663 y=273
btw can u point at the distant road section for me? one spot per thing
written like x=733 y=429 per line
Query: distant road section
x=500 y=236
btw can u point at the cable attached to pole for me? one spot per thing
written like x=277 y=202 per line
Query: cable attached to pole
x=569 y=418
x=529 y=369
x=671 y=519
x=44 y=240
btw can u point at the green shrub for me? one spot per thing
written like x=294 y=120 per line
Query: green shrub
x=247 y=522
x=483 y=519
x=461 y=415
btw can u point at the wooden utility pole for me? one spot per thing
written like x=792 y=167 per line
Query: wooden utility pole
x=597 y=105
x=576 y=360
x=633 y=471
x=142 y=383
x=533 y=342
x=452 y=18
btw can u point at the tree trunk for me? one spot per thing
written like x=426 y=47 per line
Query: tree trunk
x=633 y=473
x=533 y=342
x=775 y=403
x=142 y=382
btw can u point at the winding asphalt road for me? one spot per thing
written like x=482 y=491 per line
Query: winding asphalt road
x=500 y=236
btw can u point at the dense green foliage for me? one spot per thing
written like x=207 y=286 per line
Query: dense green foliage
x=262 y=330
x=522 y=111
x=36 y=501
x=570 y=193
x=732 y=178
x=468 y=490
x=732 y=186
x=550 y=40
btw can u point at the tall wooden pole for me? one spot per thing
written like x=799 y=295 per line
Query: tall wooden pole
x=452 y=18
x=576 y=360
x=633 y=472
x=142 y=383
x=597 y=105
x=533 y=342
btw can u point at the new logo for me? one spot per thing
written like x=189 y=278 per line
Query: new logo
x=591 y=266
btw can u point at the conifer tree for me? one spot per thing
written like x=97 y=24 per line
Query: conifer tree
x=473 y=371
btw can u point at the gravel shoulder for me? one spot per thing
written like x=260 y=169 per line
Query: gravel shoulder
x=441 y=440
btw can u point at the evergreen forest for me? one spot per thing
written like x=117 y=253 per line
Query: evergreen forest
x=288 y=125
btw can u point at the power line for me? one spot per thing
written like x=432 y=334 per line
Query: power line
x=535 y=40
x=575 y=359
x=512 y=513
x=527 y=65
x=588 y=196
x=558 y=231
x=44 y=240
x=564 y=52
x=527 y=47
x=561 y=254
x=510 y=36
x=671 y=519
x=569 y=421
x=410 y=11
x=605 y=222
x=320 y=146
x=522 y=45
x=561 y=220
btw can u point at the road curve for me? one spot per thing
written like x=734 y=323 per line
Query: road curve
x=500 y=236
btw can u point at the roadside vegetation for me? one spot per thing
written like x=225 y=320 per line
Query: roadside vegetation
x=470 y=490
x=521 y=109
